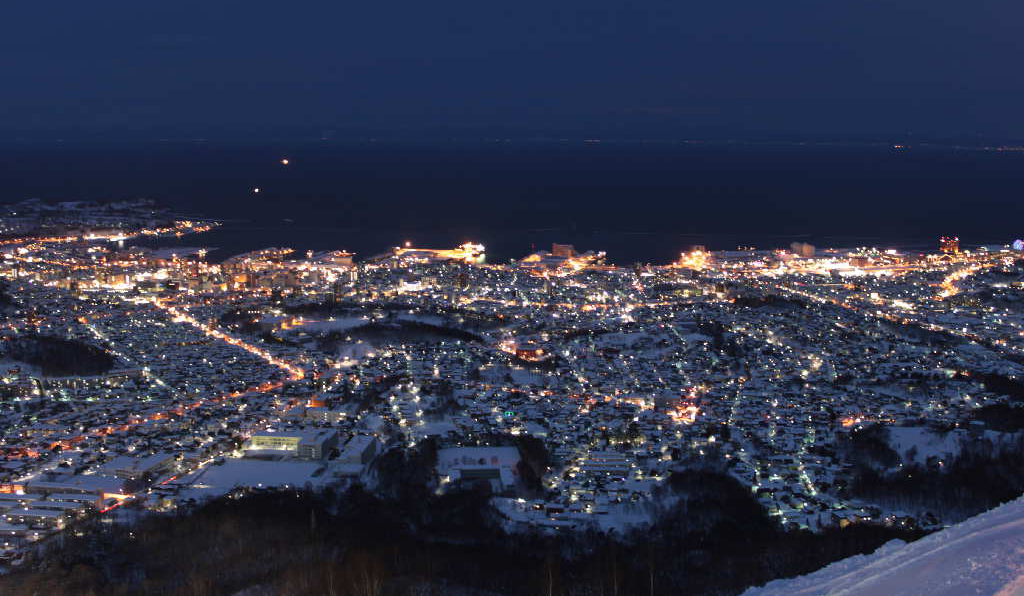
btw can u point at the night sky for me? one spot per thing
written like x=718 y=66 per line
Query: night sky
x=932 y=67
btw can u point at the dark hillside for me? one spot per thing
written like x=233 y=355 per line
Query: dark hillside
x=715 y=540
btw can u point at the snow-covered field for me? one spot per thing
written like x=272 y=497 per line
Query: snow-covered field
x=213 y=480
x=982 y=555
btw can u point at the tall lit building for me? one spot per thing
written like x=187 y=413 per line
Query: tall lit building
x=949 y=244
x=803 y=249
x=563 y=250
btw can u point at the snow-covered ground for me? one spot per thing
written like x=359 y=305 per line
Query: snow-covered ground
x=345 y=323
x=214 y=481
x=334 y=324
x=923 y=443
x=620 y=517
x=982 y=555
x=30 y=370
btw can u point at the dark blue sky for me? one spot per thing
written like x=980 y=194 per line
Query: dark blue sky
x=931 y=67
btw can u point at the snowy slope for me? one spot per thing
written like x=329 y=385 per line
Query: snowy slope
x=982 y=555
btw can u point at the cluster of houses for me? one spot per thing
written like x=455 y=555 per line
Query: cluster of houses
x=624 y=375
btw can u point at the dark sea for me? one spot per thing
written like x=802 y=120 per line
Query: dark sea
x=639 y=202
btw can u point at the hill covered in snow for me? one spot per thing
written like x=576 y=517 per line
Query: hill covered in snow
x=982 y=555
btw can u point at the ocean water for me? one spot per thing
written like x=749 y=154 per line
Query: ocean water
x=639 y=202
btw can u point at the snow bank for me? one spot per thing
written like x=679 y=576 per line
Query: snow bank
x=982 y=555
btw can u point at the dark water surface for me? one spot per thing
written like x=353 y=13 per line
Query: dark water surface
x=638 y=202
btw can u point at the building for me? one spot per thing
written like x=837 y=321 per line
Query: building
x=466 y=252
x=566 y=251
x=275 y=442
x=495 y=465
x=37 y=518
x=607 y=463
x=137 y=468
x=949 y=244
x=360 y=449
x=529 y=351
x=108 y=487
x=318 y=445
x=314 y=444
x=322 y=414
x=803 y=249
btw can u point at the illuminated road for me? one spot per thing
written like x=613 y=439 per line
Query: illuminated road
x=180 y=316
x=949 y=283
